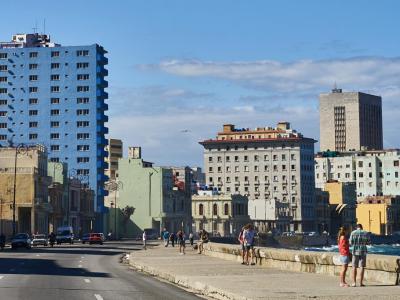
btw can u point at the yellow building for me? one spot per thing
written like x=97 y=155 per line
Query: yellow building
x=31 y=190
x=379 y=214
x=115 y=152
x=221 y=215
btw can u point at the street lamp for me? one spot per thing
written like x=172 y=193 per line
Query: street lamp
x=114 y=185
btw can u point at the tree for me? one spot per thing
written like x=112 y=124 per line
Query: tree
x=127 y=212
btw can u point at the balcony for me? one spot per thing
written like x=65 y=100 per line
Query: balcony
x=237 y=183
x=100 y=93
x=102 y=177
x=247 y=183
x=101 y=141
x=101 y=105
x=257 y=182
x=101 y=59
x=102 y=165
x=101 y=82
x=101 y=71
x=266 y=183
x=101 y=117
x=101 y=152
x=101 y=129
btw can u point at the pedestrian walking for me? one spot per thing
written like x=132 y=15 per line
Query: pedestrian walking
x=359 y=239
x=240 y=239
x=165 y=236
x=248 y=241
x=344 y=251
x=181 y=240
x=191 y=239
x=203 y=238
x=172 y=239
x=144 y=237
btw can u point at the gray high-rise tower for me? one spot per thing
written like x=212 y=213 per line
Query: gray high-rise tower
x=350 y=121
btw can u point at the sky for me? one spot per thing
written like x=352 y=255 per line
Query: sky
x=179 y=70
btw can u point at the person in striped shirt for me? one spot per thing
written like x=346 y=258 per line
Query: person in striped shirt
x=359 y=239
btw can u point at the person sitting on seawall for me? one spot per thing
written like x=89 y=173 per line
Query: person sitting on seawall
x=203 y=238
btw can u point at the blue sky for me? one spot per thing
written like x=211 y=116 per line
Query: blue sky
x=194 y=65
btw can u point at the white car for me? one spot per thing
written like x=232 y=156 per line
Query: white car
x=39 y=239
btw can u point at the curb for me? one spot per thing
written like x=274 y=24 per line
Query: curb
x=194 y=286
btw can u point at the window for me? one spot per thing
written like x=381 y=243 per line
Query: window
x=3 y=125
x=33 y=112
x=246 y=168
x=3 y=79
x=360 y=174
x=55 y=159
x=236 y=169
x=82 y=77
x=3 y=55
x=55 y=65
x=246 y=158
x=83 y=172
x=84 y=88
x=83 y=101
x=3 y=113
x=83 y=136
x=210 y=169
x=396 y=163
x=256 y=158
x=33 y=136
x=3 y=91
x=55 y=89
x=228 y=159
x=3 y=137
x=55 y=147
x=33 y=89
x=33 y=54
x=82 y=52
x=55 y=100
x=236 y=158
x=33 y=101
x=33 y=124
x=33 y=66
x=82 y=124
x=55 y=53
x=3 y=102
x=360 y=164
x=201 y=209
x=256 y=169
x=215 y=209
x=82 y=159
x=226 y=209
x=82 y=147
x=54 y=124
x=54 y=136
x=33 y=77
x=80 y=112
x=55 y=112
x=3 y=68
x=54 y=77
x=82 y=65
x=210 y=159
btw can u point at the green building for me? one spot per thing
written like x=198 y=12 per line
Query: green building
x=151 y=191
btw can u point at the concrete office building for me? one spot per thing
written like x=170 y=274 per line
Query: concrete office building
x=54 y=95
x=375 y=173
x=220 y=215
x=115 y=152
x=273 y=167
x=151 y=191
x=350 y=121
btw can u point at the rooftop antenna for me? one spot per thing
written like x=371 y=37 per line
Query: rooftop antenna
x=44 y=26
x=35 y=28
x=335 y=89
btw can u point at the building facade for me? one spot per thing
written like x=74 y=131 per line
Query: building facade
x=115 y=152
x=151 y=191
x=350 y=121
x=380 y=214
x=273 y=167
x=375 y=173
x=54 y=95
x=220 y=215
x=31 y=183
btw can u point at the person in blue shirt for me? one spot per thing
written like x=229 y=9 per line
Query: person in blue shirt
x=165 y=236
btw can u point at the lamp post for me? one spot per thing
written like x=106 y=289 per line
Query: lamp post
x=19 y=149
x=115 y=186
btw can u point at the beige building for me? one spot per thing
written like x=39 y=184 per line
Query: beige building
x=350 y=121
x=273 y=167
x=115 y=152
x=31 y=193
x=221 y=215
x=380 y=214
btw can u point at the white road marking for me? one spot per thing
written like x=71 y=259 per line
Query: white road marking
x=98 y=297
x=37 y=254
x=87 y=280
x=82 y=257
x=80 y=261
x=79 y=266
x=1 y=277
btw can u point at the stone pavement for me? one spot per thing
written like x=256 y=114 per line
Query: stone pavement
x=223 y=279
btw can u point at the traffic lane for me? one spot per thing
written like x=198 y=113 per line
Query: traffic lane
x=65 y=272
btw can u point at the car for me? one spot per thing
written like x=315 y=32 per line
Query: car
x=21 y=240
x=65 y=235
x=95 y=238
x=85 y=238
x=39 y=239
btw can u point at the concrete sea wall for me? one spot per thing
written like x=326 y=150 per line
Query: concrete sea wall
x=380 y=268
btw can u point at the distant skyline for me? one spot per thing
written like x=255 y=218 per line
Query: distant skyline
x=178 y=70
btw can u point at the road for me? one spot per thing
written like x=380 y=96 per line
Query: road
x=78 y=272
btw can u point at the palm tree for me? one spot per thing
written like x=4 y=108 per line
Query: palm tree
x=127 y=212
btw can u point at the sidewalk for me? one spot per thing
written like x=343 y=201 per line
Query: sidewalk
x=224 y=279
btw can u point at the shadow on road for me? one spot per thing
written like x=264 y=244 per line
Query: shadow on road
x=42 y=267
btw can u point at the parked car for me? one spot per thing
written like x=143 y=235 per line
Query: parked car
x=21 y=240
x=39 y=239
x=93 y=238
x=65 y=235
x=85 y=238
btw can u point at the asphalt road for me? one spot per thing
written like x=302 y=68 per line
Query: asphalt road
x=78 y=272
